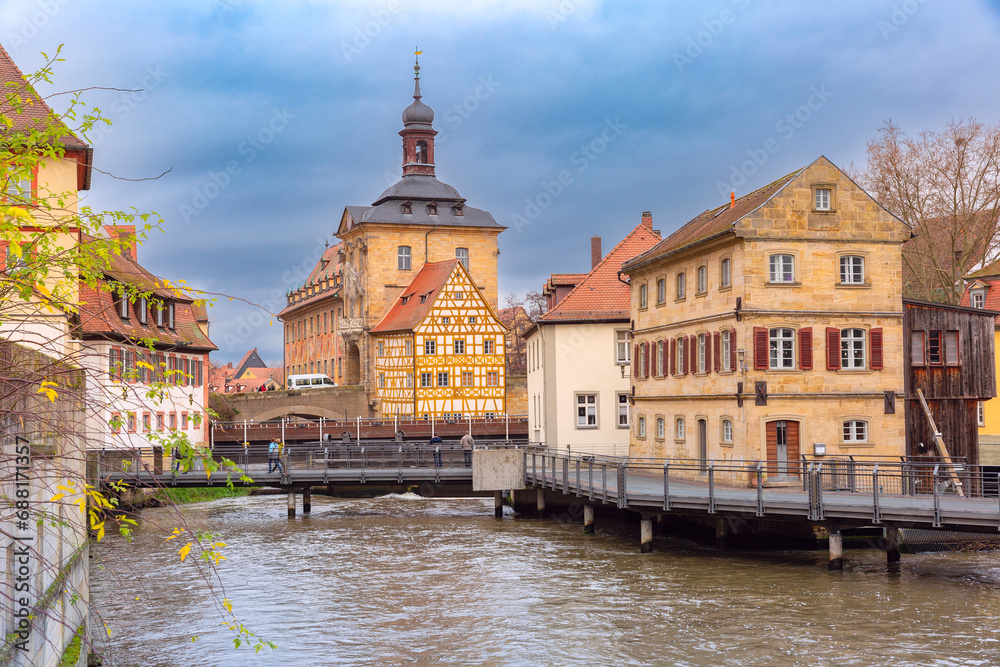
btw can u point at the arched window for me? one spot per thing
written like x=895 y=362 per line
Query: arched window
x=422 y=152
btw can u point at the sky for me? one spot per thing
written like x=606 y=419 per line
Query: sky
x=566 y=119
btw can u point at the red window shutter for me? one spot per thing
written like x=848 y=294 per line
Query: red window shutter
x=715 y=344
x=635 y=361
x=673 y=356
x=876 y=344
x=832 y=349
x=732 y=349
x=693 y=350
x=683 y=344
x=645 y=360
x=806 y=349
x=760 y=349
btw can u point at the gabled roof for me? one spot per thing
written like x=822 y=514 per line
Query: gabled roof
x=992 y=300
x=601 y=295
x=718 y=220
x=250 y=360
x=414 y=302
x=991 y=270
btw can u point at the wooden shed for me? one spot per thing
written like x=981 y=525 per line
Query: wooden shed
x=950 y=357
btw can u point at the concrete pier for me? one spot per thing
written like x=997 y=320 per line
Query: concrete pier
x=892 y=545
x=836 y=551
x=646 y=535
x=291 y=504
x=588 y=519
x=498 y=504
x=540 y=500
x=306 y=500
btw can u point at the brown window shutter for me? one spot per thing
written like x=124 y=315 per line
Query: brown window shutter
x=832 y=349
x=645 y=368
x=732 y=349
x=635 y=362
x=693 y=350
x=759 y=349
x=876 y=356
x=715 y=344
x=686 y=355
x=673 y=356
x=806 y=349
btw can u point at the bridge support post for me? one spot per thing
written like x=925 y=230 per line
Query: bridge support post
x=646 y=535
x=720 y=534
x=306 y=500
x=540 y=499
x=836 y=550
x=892 y=545
x=588 y=519
x=498 y=504
x=291 y=504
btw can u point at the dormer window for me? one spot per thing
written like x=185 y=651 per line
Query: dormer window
x=143 y=309
x=404 y=299
x=978 y=298
x=458 y=210
x=423 y=298
x=432 y=209
x=123 y=303
x=171 y=324
x=406 y=207
x=159 y=314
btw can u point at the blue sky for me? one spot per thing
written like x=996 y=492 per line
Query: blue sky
x=272 y=116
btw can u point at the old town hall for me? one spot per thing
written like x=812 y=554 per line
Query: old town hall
x=383 y=248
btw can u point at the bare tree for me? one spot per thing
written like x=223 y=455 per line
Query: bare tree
x=945 y=184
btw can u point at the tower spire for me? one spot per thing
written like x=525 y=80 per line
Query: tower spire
x=416 y=73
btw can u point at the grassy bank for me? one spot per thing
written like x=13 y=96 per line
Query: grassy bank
x=182 y=496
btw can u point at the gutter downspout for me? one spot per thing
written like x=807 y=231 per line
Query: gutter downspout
x=624 y=282
x=426 y=255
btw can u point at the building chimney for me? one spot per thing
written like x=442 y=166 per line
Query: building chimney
x=595 y=251
x=647 y=219
x=126 y=233
x=732 y=199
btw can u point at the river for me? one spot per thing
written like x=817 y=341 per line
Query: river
x=403 y=580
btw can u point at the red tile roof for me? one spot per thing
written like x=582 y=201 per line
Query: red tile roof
x=600 y=295
x=414 y=302
x=99 y=318
x=328 y=265
x=991 y=281
x=716 y=221
x=24 y=107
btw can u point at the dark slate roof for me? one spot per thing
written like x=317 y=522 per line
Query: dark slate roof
x=423 y=187
x=419 y=190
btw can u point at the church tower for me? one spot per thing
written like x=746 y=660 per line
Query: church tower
x=415 y=221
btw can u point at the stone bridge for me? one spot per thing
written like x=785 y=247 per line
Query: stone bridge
x=345 y=402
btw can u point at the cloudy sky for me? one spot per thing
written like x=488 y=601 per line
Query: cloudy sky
x=273 y=115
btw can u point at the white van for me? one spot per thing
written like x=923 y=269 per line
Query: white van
x=310 y=381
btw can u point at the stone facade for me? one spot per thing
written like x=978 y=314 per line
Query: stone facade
x=762 y=365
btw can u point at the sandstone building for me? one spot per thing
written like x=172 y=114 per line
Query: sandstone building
x=383 y=246
x=771 y=328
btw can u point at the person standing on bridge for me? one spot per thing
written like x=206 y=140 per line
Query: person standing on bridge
x=273 y=456
x=467 y=445
x=435 y=442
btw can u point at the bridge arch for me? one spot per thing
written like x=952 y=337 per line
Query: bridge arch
x=310 y=411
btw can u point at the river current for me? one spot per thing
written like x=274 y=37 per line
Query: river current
x=404 y=580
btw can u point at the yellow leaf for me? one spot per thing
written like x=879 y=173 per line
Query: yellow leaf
x=228 y=605
x=184 y=551
x=58 y=496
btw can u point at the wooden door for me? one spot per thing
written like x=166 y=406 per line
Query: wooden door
x=782 y=448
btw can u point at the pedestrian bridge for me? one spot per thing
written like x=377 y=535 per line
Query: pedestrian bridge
x=838 y=493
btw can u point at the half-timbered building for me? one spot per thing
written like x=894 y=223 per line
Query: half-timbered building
x=982 y=291
x=439 y=351
x=772 y=327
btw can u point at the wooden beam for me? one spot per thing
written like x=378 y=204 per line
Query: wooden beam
x=939 y=441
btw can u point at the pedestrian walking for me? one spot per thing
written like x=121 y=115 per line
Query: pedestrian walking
x=274 y=456
x=175 y=454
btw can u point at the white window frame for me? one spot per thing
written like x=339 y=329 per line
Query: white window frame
x=702 y=366
x=701 y=274
x=852 y=270
x=380 y=349
x=462 y=254
x=981 y=413
x=586 y=410
x=488 y=346
x=171 y=320
x=409 y=348
x=622 y=344
x=443 y=379
x=679 y=356
x=978 y=298
x=823 y=199
x=853 y=341
x=143 y=309
x=780 y=265
x=643 y=297
x=680 y=429
x=855 y=431
x=430 y=347
x=779 y=341
x=725 y=351
x=459 y=345
x=727 y=430
x=426 y=379
x=640 y=427
x=660 y=428
x=623 y=409
x=403 y=258
x=661 y=291
x=725 y=273
x=680 y=284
